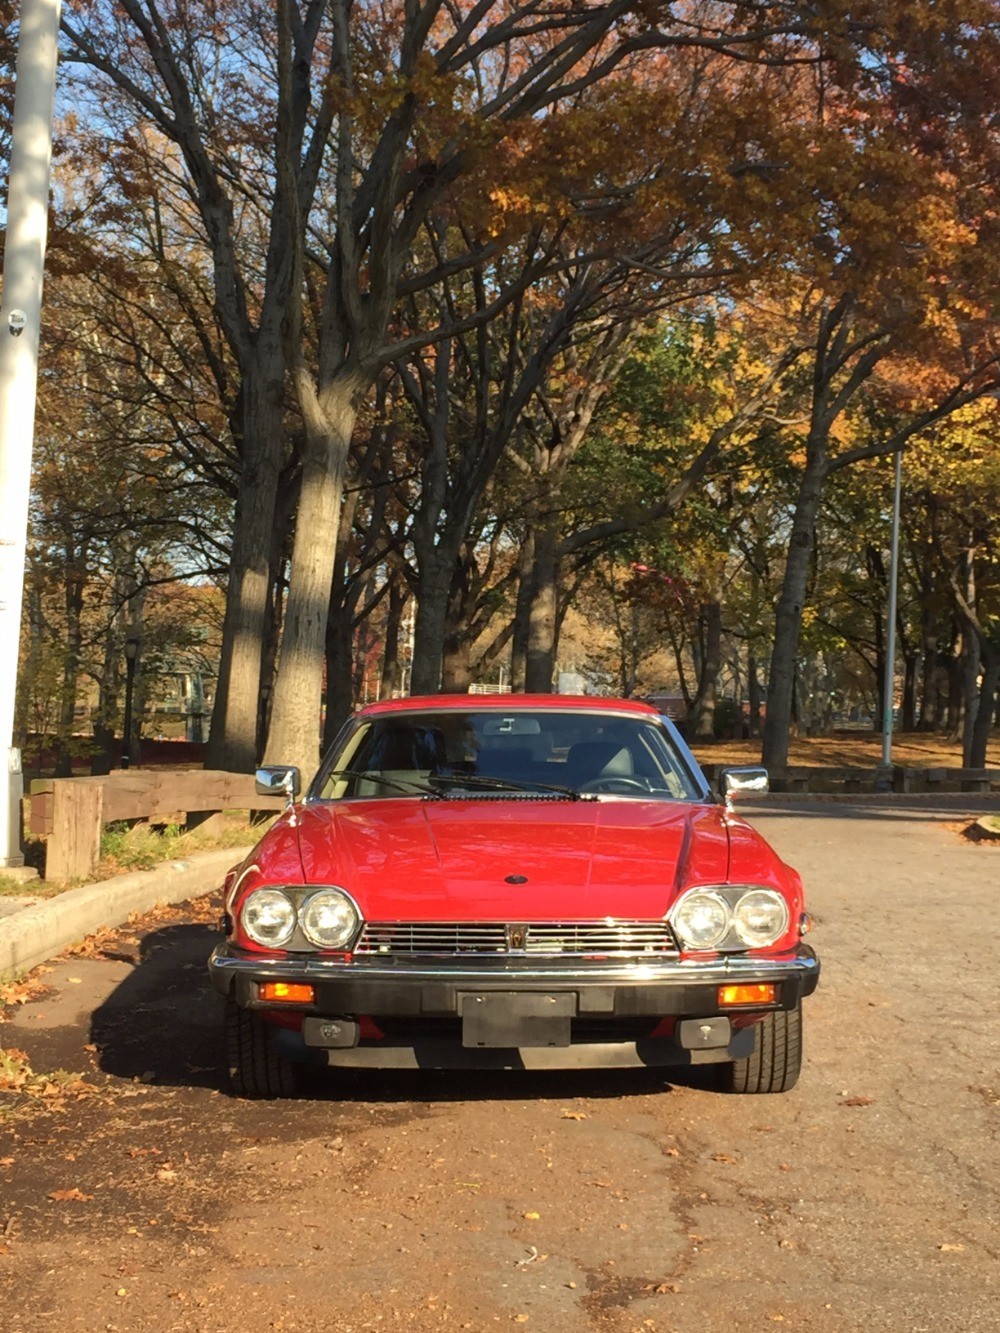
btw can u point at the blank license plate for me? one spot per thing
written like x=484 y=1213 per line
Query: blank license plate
x=505 y=1019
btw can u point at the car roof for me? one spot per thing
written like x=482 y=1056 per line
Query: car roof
x=537 y=702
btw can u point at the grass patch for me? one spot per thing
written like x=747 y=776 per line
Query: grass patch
x=126 y=848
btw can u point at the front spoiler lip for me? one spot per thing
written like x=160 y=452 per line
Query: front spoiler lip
x=229 y=965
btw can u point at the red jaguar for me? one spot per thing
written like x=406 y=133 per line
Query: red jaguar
x=513 y=882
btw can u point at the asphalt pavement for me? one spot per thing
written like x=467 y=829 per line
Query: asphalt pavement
x=146 y=1197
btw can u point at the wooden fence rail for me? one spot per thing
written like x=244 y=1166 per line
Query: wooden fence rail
x=69 y=813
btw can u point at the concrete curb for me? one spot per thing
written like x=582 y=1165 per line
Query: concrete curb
x=31 y=936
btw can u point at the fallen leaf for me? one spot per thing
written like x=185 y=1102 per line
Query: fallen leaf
x=573 y=1115
x=724 y=1157
x=950 y=1249
x=531 y=1217
x=858 y=1101
x=671 y=1152
x=6 y=1161
x=63 y=1196
x=662 y=1288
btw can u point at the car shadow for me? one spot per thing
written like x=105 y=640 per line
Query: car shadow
x=163 y=1025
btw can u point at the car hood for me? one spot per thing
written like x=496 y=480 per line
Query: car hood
x=453 y=860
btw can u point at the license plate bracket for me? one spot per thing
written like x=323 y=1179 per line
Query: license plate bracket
x=505 y=1019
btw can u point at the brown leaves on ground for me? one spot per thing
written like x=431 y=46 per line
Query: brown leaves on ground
x=20 y=992
x=71 y=1195
x=126 y=939
x=20 y=1081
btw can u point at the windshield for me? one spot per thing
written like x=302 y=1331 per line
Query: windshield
x=565 y=754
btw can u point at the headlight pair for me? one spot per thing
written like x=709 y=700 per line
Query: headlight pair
x=730 y=916
x=327 y=917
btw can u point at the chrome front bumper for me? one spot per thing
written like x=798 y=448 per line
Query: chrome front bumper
x=666 y=987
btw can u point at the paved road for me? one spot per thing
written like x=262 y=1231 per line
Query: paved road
x=869 y=1198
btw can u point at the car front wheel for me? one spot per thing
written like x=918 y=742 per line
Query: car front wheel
x=254 y=1068
x=776 y=1059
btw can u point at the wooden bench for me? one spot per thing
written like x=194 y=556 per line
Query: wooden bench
x=69 y=813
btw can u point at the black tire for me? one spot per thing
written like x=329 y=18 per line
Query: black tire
x=776 y=1060
x=254 y=1068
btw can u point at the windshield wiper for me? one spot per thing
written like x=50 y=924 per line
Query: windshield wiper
x=506 y=784
x=412 y=787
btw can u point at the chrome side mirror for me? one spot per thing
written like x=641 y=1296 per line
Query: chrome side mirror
x=734 y=782
x=278 y=780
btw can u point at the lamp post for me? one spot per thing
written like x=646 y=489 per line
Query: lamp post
x=131 y=653
x=20 y=320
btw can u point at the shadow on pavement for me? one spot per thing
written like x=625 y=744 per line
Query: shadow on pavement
x=163 y=1023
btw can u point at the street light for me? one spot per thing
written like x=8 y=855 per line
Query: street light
x=131 y=653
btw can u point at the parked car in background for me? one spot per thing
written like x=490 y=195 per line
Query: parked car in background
x=513 y=882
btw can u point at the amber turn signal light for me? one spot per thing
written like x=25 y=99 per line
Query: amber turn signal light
x=734 y=995
x=286 y=992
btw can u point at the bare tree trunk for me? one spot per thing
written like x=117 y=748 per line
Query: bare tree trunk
x=232 y=742
x=540 y=662
x=930 y=691
x=436 y=570
x=295 y=719
x=702 y=715
x=788 y=617
x=339 y=674
x=522 y=616
x=398 y=595
x=910 y=674
x=985 y=707
x=73 y=608
x=753 y=696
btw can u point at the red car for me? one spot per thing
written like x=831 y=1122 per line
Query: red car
x=513 y=882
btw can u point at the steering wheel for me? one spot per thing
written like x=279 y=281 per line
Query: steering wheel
x=612 y=783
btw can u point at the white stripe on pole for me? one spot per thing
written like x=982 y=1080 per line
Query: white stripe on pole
x=20 y=318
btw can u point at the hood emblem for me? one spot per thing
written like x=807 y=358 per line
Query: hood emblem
x=516 y=937
x=516 y=879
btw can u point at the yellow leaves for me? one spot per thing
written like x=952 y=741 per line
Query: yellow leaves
x=511 y=206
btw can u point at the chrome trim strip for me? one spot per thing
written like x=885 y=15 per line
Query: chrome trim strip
x=576 y=973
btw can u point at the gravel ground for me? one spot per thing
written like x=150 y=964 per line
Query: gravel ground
x=145 y=1197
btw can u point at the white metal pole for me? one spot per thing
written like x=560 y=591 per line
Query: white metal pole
x=889 y=688
x=20 y=319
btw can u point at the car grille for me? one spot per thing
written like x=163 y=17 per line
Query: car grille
x=576 y=939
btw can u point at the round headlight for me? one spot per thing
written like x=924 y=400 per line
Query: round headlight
x=701 y=920
x=268 y=917
x=328 y=919
x=760 y=917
